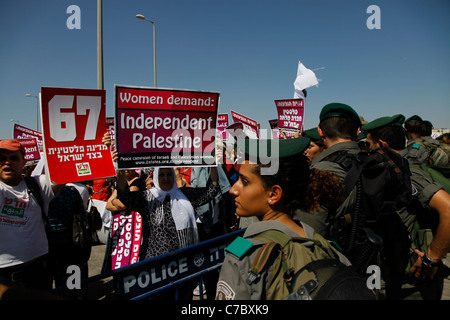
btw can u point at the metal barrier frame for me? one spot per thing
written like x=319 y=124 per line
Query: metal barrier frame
x=145 y=278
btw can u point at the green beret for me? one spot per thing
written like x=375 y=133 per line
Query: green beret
x=414 y=118
x=312 y=133
x=427 y=122
x=262 y=149
x=338 y=110
x=397 y=119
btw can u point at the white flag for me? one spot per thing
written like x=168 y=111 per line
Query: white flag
x=305 y=78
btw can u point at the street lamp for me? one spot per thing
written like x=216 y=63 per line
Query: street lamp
x=140 y=16
x=37 y=110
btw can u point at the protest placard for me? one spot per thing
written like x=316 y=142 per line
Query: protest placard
x=250 y=127
x=290 y=113
x=31 y=149
x=21 y=132
x=157 y=127
x=222 y=124
x=74 y=122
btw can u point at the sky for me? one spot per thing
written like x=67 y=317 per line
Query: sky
x=248 y=50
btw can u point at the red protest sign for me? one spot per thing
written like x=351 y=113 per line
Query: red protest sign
x=31 y=149
x=222 y=124
x=290 y=113
x=165 y=127
x=73 y=123
x=21 y=132
x=250 y=127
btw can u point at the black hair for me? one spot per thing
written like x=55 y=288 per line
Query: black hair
x=427 y=128
x=340 y=127
x=414 y=126
x=393 y=135
x=303 y=188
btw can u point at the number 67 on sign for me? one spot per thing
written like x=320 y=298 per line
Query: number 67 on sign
x=73 y=124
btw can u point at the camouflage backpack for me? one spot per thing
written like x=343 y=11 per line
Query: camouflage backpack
x=438 y=153
x=306 y=269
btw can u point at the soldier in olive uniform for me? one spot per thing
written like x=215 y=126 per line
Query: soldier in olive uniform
x=339 y=128
x=272 y=199
x=431 y=203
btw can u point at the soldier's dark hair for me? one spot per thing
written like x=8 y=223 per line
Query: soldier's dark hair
x=414 y=126
x=394 y=135
x=303 y=188
x=340 y=127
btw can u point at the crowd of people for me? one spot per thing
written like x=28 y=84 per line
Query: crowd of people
x=308 y=195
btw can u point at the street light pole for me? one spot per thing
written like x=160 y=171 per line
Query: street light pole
x=140 y=16
x=37 y=109
x=100 y=77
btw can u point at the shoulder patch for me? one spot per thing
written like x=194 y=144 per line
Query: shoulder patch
x=239 y=247
x=224 y=291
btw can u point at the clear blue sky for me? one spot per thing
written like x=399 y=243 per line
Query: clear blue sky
x=248 y=50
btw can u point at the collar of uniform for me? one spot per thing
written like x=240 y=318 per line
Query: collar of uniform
x=412 y=141
x=350 y=146
x=258 y=227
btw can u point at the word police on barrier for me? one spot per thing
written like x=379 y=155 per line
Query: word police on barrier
x=140 y=279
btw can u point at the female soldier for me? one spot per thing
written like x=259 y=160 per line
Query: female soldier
x=272 y=199
x=316 y=146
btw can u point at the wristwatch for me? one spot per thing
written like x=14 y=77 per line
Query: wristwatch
x=427 y=262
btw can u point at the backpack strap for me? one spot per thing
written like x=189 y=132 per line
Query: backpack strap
x=34 y=190
x=350 y=163
x=260 y=261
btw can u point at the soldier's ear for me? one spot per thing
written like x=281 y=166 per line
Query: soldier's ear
x=275 y=195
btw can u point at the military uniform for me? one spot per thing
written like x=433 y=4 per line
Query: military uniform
x=233 y=276
x=319 y=220
x=424 y=186
x=235 y=271
x=415 y=149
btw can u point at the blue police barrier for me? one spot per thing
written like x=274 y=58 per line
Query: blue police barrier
x=147 y=277
x=144 y=278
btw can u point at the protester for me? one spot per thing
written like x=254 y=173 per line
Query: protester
x=225 y=158
x=212 y=215
x=149 y=183
x=272 y=199
x=23 y=241
x=61 y=254
x=183 y=176
x=134 y=182
x=101 y=189
x=167 y=211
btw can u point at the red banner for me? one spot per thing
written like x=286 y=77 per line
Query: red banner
x=250 y=127
x=73 y=122
x=290 y=113
x=31 y=149
x=222 y=124
x=20 y=132
x=165 y=127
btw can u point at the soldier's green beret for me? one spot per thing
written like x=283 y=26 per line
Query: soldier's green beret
x=427 y=122
x=397 y=119
x=256 y=149
x=312 y=133
x=338 y=110
x=414 y=118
